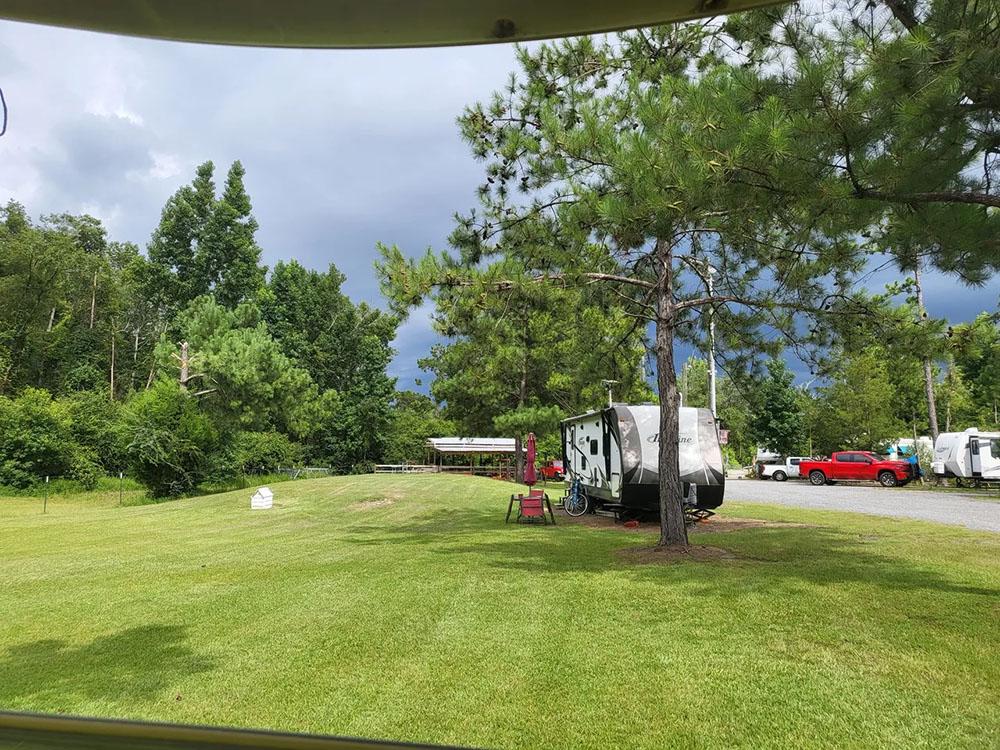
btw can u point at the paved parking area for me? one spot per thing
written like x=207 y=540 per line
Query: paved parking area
x=926 y=505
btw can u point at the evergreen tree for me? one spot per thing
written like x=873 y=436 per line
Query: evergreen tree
x=176 y=274
x=777 y=419
x=854 y=412
x=620 y=159
x=975 y=347
x=694 y=382
x=229 y=258
x=205 y=245
x=415 y=417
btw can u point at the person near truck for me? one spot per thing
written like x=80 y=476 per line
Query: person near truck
x=913 y=459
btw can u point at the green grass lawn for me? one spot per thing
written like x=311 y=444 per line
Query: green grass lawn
x=403 y=607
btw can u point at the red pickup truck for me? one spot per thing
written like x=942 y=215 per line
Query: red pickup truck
x=552 y=471
x=858 y=466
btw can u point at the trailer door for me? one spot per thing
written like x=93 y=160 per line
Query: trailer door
x=975 y=457
x=612 y=453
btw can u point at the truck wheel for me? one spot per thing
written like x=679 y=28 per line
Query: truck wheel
x=779 y=476
x=887 y=479
x=817 y=477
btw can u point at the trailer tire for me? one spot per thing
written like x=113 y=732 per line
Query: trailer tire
x=887 y=479
x=779 y=476
x=817 y=477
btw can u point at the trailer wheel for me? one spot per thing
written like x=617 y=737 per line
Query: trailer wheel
x=817 y=477
x=887 y=479
x=779 y=476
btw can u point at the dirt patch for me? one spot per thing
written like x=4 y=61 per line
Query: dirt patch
x=371 y=504
x=595 y=521
x=656 y=555
x=722 y=523
x=714 y=524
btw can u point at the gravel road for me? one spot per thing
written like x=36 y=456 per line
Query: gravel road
x=943 y=507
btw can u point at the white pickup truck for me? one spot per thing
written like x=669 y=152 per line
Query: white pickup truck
x=780 y=470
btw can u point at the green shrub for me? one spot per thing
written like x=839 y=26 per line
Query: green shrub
x=262 y=452
x=97 y=428
x=35 y=439
x=171 y=442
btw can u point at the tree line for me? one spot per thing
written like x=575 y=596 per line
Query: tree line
x=185 y=363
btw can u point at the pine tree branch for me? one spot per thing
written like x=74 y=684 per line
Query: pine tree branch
x=506 y=284
x=902 y=11
x=716 y=299
x=940 y=196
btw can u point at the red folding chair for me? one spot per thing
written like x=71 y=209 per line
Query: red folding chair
x=531 y=507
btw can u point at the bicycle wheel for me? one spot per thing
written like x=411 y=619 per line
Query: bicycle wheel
x=576 y=503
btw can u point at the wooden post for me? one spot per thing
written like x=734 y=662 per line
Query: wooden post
x=121 y=488
x=45 y=502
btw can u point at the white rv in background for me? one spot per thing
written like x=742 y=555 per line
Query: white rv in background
x=968 y=455
x=615 y=455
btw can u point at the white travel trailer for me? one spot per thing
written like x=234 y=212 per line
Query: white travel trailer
x=615 y=455
x=968 y=455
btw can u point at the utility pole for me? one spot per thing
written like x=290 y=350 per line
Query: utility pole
x=711 y=340
x=607 y=384
x=928 y=370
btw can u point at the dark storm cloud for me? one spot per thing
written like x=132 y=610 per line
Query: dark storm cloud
x=89 y=157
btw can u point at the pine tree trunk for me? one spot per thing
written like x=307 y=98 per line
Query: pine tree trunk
x=928 y=370
x=673 y=531
x=522 y=395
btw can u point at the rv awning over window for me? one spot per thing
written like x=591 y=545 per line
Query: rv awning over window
x=471 y=445
x=361 y=23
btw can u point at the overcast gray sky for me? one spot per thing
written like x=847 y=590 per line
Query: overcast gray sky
x=342 y=148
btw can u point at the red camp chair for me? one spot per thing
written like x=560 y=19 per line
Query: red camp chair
x=531 y=507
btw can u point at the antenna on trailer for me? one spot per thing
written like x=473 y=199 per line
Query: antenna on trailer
x=607 y=384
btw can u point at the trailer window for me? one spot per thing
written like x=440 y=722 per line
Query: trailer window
x=593 y=447
x=583 y=463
